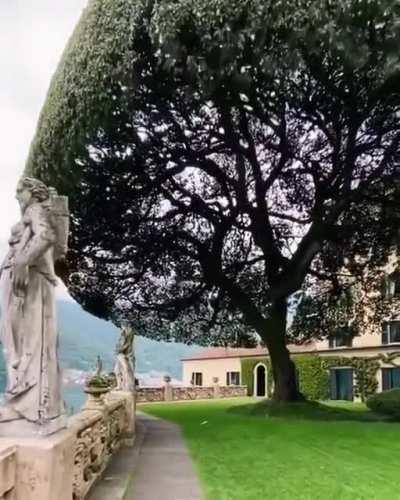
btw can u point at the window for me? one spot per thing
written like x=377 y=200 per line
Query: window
x=391 y=332
x=390 y=378
x=232 y=378
x=197 y=378
x=341 y=381
x=341 y=339
x=392 y=285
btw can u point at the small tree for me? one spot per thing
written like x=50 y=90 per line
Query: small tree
x=221 y=151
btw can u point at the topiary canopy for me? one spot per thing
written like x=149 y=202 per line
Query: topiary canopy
x=226 y=150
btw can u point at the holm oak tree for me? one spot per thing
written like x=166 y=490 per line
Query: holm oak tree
x=218 y=152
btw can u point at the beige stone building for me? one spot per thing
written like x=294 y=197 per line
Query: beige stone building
x=349 y=367
x=225 y=364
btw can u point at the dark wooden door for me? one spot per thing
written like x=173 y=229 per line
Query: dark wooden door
x=260 y=381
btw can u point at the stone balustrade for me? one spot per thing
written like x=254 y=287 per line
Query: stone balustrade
x=65 y=465
x=8 y=471
x=171 y=393
x=99 y=433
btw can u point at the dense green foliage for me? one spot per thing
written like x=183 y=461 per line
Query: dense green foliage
x=223 y=149
x=313 y=374
x=320 y=314
x=298 y=452
x=386 y=403
x=247 y=366
x=313 y=378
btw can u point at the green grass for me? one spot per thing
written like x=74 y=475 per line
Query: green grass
x=255 y=451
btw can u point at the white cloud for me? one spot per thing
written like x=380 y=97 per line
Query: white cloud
x=33 y=35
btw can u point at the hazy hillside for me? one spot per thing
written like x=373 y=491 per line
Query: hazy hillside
x=83 y=337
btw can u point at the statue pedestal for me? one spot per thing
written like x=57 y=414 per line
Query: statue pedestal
x=26 y=429
x=43 y=466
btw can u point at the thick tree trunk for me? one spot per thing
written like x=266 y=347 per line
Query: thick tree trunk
x=284 y=370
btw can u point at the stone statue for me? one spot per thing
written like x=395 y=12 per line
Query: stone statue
x=99 y=366
x=33 y=401
x=123 y=367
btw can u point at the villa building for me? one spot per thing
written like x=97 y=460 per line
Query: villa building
x=337 y=368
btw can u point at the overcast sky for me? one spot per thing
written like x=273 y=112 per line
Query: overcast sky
x=33 y=34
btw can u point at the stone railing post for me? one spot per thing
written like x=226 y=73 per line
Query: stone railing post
x=167 y=388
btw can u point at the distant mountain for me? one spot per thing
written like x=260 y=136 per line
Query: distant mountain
x=83 y=337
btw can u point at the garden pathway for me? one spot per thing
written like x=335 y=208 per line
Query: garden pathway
x=158 y=467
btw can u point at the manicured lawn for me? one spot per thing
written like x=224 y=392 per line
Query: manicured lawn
x=245 y=450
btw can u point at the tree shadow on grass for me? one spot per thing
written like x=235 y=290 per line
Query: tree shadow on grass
x=309 y=410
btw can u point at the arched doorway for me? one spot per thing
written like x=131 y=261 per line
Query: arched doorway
x=260 y=381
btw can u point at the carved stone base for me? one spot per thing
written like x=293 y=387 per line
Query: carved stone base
x=24 y=428
x=44 y=466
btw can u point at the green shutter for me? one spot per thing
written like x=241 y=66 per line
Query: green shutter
x=395 y=378
x=386 y=379
x=333 y=385
x=385 y=337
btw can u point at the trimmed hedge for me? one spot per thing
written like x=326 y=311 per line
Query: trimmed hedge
x=247 y=369
x=386 y=403
x=313 y=378
x=313 y=374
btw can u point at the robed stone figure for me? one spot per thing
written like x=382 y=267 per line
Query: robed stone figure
x=28 y=320
x=123 y=369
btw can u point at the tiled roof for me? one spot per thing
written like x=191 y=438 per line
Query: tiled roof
x=234 y=352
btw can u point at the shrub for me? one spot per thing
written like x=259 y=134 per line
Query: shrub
x=313 y=377
x=386 y=403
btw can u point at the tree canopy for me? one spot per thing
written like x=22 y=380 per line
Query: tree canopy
x=216 y=153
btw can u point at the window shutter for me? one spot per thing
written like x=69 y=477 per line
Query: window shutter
x=333 y=387
x=331 y=342
x=396 y=378
x=227 y=378
x=395 y=331
x=385 y=336
x=386 y=379
x=349 y=340
x=397 y=285
x=385 y=287
x=392 y=288
x=350 y=381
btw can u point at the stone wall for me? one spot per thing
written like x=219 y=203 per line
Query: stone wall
x=232 y=391
x=149 y=394
x=65 y=465
x=190 y=393
x=99 y=434
x=170 y=393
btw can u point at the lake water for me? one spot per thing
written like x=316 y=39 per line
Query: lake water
x=74 y=398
